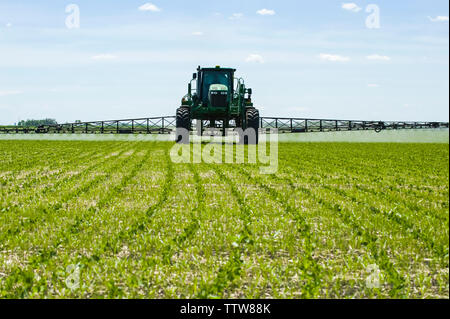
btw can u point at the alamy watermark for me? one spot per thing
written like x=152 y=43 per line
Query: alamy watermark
x=373 y=20
x=230 y=149
x=73 y=19
x=373 y=280
x=73 y=279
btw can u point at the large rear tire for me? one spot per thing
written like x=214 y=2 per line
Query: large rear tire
x=183 y=124
x=252 y=119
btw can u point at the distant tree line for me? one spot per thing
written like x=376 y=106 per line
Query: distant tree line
x=34 y=123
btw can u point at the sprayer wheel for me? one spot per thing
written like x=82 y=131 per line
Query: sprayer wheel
x=183 y=122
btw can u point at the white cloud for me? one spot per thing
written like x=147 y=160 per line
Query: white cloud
x=149 y=7
x=5 y=93
x=197 y=33
x=439 y=19
x=373 y=85
x=236 y=16
x=254 y=58
x=377 y=57
x=266 y=12
x=351 y=7
x=104 y=57
x=333 y=57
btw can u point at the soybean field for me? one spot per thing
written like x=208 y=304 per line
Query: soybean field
x=118 y=219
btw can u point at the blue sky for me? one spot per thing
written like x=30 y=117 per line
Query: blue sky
x=302 y=58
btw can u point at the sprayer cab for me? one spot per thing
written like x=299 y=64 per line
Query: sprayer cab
x=217 y=80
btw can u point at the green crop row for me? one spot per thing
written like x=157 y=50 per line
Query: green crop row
x=121 y=220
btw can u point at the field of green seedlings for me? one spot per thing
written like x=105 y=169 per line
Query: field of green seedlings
x=121 y=220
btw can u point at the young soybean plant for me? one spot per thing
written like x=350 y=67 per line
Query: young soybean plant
x=120 y=219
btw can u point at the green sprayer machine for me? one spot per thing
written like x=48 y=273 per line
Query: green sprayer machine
x=220 y=99
x=218 y=102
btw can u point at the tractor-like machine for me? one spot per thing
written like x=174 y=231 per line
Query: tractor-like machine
x=219 y=102
x=219 y=99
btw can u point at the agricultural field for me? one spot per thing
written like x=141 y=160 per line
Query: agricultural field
x=118 y=219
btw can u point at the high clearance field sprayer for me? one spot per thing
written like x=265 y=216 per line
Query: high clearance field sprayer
x=220 y=99
x=219 y=102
